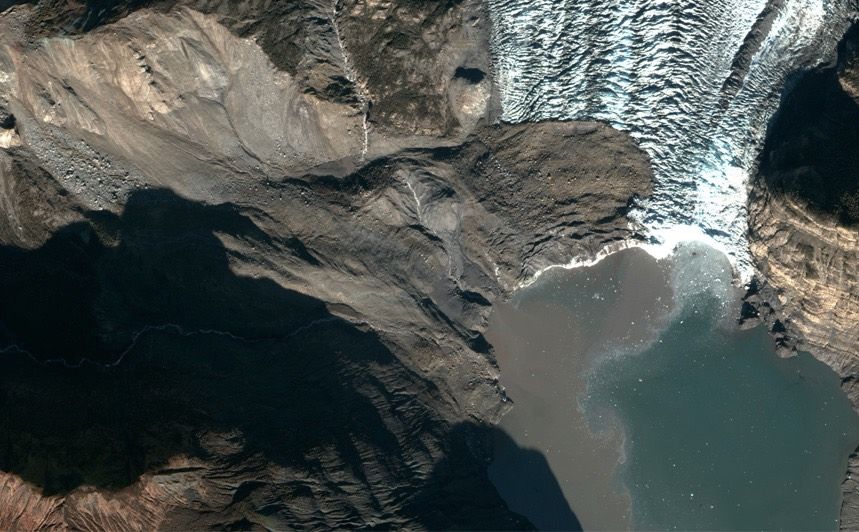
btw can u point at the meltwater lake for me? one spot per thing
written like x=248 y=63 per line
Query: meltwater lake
x=654 y=410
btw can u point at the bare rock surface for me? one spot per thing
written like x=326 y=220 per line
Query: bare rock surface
x=430 y=82
x=245 y=281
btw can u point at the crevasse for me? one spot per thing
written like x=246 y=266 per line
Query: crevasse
x=694 y=81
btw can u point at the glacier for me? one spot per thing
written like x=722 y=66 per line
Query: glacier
x=695 y=82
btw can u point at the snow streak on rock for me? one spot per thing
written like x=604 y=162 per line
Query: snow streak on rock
x=694 y=81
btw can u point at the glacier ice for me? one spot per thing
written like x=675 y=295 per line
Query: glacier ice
x=694 y=81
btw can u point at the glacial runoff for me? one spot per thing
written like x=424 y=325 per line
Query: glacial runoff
x=694 y=81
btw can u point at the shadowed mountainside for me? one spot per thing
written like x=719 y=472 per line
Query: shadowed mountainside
x=526 y=481
x=217 y=367
x=810 y=153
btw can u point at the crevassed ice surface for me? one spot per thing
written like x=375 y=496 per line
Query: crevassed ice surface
x=694 y=81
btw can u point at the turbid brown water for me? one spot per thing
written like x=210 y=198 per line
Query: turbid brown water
x=546 y=340
x=654 y=411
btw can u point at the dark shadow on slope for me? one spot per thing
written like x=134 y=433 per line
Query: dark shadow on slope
x=464 y=494
x=526 y=482
x=810 y=150
x=225 y=354
x=6 y=4
x=92 y=287
x=234 y=355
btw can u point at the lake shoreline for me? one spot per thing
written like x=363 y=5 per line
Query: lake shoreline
x=538 y=320
x=556 y=339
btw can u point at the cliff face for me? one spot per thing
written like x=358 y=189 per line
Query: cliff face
x=245 y=279
x=803 y=227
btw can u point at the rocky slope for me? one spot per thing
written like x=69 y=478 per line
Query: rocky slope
x=804 y=227
x=245 y=274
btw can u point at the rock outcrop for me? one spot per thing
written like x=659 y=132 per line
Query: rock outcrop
x=245 y=279
x=805 y=233
x=804 y=227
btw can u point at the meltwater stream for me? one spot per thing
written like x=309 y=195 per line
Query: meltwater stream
x=694 y=81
